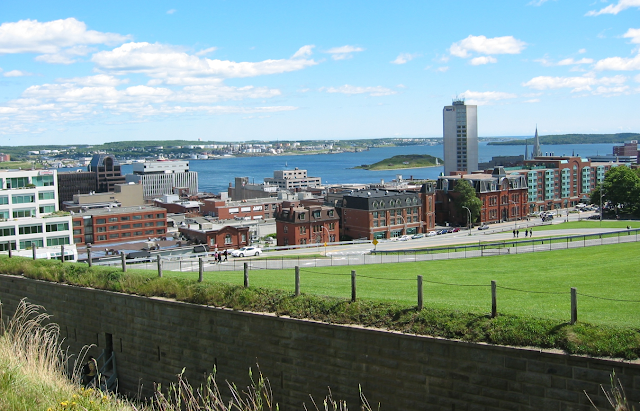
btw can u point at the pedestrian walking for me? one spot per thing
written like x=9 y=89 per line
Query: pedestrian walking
x=226 y=253
x=517 y=233
x=530 y=232
x=514 y=233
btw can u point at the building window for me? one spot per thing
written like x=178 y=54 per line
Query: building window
x=137 y=217
x=125 y=218
x=303 y=230
x=47 y=195
x=160 y=231
x=375 y=214
x=77 y=231
x=149 y=224
x=113 y=227
x=30 y=229
x=5 y=231
x=316 y=214
x=114 y=235
x=330 y=213
x=51 y=227
x=57 y=241
x=147 y=232
x=42 y=181
x=375 y=223
x=125 y=226
x=3 y=199
x=24 y=244
x=126 y=234
x=77 y=223
x=383 y=222
x=244 y=238
x=137 y=233
x=332 y=226
x=160 y=215
x=102 y=238
x=23 y=198
x=17 y=182
x=46 y=209
x=101 y=221
x=285 y=229
x=160 y=223
x=113 y=219
x=302 y=216
x=137 y=225
x=227 y=239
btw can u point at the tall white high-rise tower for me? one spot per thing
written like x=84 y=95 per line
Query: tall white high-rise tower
x=460 y=137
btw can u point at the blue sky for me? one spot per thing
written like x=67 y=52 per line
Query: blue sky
x=90 y=72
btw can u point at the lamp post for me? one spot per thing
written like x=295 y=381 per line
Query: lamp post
x=325 y=243
x=468 y=219
x=404 y=222
x=601 y=202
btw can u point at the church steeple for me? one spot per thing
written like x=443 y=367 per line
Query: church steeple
x=536 y=145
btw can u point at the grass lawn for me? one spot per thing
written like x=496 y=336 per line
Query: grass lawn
x=571 y=225
x=609 y=271
x=16 y=164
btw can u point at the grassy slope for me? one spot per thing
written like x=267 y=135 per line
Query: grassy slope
x=387 y=295
x=397 y=162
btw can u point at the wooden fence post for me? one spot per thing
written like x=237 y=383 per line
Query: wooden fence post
x=159 y=260
x=200 y=269
x=353 y=286
x=89 y=256
x=124 y=263
x=62 y=253
x=246 y=275
x=574 y=305
x=297 y=289
x=9 y=245
x=420 y=300
x=33 y=250
x=494 y=305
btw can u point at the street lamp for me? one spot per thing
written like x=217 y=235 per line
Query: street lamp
x=601 y=203
x=325 y=243
x=403 y=222
x=468 y=219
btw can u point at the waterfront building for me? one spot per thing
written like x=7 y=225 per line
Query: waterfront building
x=164 y=177
x=503 y=196
x=253 y=209
x=29 y=212
x=103 y=226
x=460 y=137
x=629 y=148
x=378 y=214
x=300 y=223
x=243 y=190
x=292 y=179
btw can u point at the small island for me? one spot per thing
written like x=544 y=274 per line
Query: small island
x=404 y=161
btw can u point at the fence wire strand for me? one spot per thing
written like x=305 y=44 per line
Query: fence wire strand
x=531 y=292
x=609 y=299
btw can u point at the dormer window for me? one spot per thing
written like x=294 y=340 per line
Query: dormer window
x=316 y=214
x=302 y=216
x=330 y=213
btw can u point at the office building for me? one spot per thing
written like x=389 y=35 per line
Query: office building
x=300 y=224
x=102 y=176
x=164 y=177
x=292 y=179
x=460 y=137
x=28 y=218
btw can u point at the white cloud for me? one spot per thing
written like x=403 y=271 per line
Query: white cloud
x=584 y=83
x=97 y=80
x=303 y=52
x=343 y=52
x=165 y=62
x=619 y=63
x=206 y=51
x=171 y=11
x=582 y=51
x=484 y=45
x=610 y=91
x=442 y=69
x=57 y=40
x=485 y=97
x=571 y=61
x=477 y=61
x=404 y=58
x=615 y=8
x=533 y=100
x=633 y=34
x=348 y=89
x=16 y=73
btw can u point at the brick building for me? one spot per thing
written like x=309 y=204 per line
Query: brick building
x=298 y=223
x=377 y=214
x=253 y=209
x=121 y=224
x=504 y=197
x=428 y=198
x=217 y=236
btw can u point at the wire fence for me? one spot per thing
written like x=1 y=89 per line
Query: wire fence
x=186 y=263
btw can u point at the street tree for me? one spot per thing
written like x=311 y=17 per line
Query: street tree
x=620 y=190
x=466 y=197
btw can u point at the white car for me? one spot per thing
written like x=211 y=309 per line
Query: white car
x=246 y=252
x=405 y=238
x=432 y=233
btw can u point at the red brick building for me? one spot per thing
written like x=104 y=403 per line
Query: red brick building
x=253 y=209
x=504 y=197
x=428 y=198
x=220 y=237
x=116 y=225
x=299 y=224
x=377 y=214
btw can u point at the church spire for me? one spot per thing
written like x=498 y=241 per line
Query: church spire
x=536 y=145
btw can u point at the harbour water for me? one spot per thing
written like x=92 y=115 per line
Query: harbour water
x=215 y=175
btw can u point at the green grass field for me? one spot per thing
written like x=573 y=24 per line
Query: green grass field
x=571 y=225
x=609 y=271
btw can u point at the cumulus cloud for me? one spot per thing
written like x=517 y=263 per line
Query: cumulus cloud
x=350 y=90
x=571 y=61
x=477 y=61
x=619 y=63
x=584 y=83
x=343 y=52
x=404 y=58
x=165 y=62
x=615 y=8
x=57 y=41
x=303 y=52
x=482 y=98
x=488 y=46
x=633 y=34
x=16 y=73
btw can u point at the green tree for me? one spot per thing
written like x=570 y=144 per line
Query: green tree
x=466 y=197
x=620 y=190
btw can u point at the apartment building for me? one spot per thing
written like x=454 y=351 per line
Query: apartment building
x=29 y=212
x=164 y=177
x=292 y=179
x=460 y=137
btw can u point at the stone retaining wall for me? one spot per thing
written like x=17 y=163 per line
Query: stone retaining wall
x=154 y=339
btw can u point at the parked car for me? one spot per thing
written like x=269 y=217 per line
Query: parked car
x=139 y=255
x=483 y=227
x=246 y=252
x=202 y=248
x=432 y=234
x=454 y=229
x=405 y=237
x=416 y=236
x=443 y=231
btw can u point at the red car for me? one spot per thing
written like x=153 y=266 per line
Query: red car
x=454 y=230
